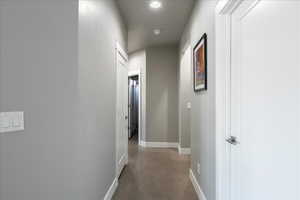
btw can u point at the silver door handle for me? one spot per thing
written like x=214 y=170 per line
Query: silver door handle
x=232 y=140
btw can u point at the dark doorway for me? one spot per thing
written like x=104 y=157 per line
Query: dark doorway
x=133 y=101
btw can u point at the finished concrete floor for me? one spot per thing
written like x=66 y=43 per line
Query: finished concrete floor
x=155 y=174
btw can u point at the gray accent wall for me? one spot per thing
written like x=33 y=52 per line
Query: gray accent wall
x=39 y=75
x=162 y=94
x=203 y=103
x=59 y=68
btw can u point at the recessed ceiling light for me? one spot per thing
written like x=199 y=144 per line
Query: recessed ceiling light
x=155 y=4
x=156 y=31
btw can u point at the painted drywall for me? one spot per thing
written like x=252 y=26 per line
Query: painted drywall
x=57 y=63
x=137 y=62
x=185 y=89
x=100 y=26
x=38 y=75
x=162 y=94
x=203 y=103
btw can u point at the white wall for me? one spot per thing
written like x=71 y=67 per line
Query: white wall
x=203 y=103
x=137 y=61
x=162 y=94
x=100 y=26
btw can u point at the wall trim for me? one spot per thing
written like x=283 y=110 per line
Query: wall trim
x=134 y=73
x=227 y=6
x=121 y=51
x=159 y=144
x=111 y=190
x=223 y=12
x=184 y=151
x=142 y=143
x=197 y=187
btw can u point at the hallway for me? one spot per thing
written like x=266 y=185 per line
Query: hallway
x=211 y=88
x=154 y=173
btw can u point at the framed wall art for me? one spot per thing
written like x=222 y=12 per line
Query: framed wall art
x=200 y=64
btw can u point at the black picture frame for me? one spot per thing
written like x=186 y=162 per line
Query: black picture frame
x=196 y=62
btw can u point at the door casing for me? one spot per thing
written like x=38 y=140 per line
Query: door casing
x=138 y=73
x=120 y=52
x=223 y=53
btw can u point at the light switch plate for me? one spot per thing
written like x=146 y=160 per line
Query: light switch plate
x=189 y=105
x=11 y=121
x=198 y=168
x=4 y=121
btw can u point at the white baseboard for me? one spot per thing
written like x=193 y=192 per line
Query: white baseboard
x=197 y=187
x=123 y=162
x=142 y=143
x=111 y=190
x=184 y=151
x=159 y=144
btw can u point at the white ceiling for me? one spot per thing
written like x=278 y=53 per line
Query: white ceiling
x=141 y=21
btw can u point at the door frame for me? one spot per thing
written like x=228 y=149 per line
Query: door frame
x=223 y=13
x=119 y=51
x=138 y=73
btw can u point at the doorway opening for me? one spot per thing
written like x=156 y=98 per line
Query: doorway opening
x=134 y=109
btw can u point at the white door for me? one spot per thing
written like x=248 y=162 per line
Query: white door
x=122 y=111
x=265 y=100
